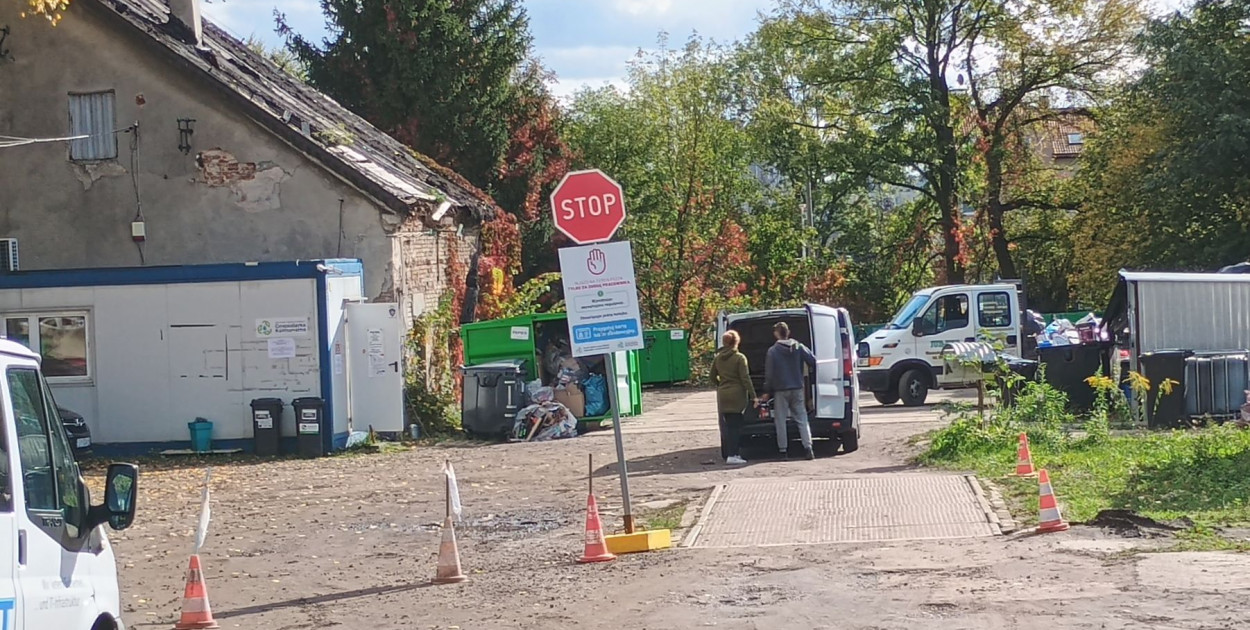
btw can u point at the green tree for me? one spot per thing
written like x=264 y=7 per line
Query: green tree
x=437 y=75
x=1166 y=179
x=685 y=168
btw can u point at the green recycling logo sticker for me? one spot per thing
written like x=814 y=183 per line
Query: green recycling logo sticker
x=264 y=328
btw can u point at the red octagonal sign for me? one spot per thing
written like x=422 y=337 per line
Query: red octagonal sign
x=588 y=206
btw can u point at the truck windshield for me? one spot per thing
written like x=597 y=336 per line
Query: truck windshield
x=908 y=312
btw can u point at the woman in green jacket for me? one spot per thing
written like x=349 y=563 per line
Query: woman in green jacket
x=734 y=392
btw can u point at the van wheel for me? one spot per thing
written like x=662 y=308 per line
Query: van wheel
x=913 y=388
x=886 y=397
x=850 y=441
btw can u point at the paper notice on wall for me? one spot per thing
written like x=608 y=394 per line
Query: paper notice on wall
x=339 y=359
x=520 y=333
x=281 y=348
x=282 y=327
x=377 y=365
x=676 y=334
x=376 y=344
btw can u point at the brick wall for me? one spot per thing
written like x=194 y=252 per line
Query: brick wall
x=424 y=253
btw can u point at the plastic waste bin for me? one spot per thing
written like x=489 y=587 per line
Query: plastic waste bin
x=493 y=392
x=1165 y=412
x=1067 y=367
x=309 y=415
x=201 y=435
x=1215 y=384
x=267 y=425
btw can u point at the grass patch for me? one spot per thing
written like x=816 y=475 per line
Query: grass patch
x=1200 y=474
x=667 y=518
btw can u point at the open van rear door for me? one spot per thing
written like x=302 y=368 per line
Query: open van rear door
x=831 y=385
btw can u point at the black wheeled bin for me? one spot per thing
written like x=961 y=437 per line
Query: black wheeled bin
x=267 y=425
x=309 y=421
x=1067 y=367
x=493 y=392
x=1166 y=412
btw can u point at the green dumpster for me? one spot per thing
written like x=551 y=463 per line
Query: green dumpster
x=528 y=338
x=666 y=359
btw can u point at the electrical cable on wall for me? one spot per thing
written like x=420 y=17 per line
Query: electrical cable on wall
x=137 y=224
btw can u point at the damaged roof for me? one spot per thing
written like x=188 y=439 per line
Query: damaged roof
x=343 y=142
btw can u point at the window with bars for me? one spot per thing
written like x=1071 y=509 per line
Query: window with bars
x=91 y=114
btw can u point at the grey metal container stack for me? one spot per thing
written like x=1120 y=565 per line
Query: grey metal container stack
x=1216 y=384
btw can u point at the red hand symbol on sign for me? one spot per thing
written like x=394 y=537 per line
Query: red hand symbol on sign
x=597 y=263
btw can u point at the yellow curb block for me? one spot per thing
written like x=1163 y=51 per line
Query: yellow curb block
x=639 y=541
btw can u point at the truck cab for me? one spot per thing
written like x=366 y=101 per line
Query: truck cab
x=56 y=565
x=832 y=391
x=903 y=361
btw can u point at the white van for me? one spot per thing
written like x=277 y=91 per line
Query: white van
x=903 y=361
x=56 y=565
x=829 y=334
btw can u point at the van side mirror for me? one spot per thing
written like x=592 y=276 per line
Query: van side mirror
x=121 y=493
x=917 y=327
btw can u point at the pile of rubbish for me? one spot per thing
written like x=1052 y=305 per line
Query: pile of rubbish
x=1063 y=332
x=575 y=388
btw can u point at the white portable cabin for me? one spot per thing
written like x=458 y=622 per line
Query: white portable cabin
x=140 y=352
x=1202 y=312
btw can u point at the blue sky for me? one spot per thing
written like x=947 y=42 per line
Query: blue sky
x=586 y=42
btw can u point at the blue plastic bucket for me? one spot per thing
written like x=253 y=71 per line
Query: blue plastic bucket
x=201 y=435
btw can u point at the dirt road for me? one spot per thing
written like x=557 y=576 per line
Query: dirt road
x=350 y=542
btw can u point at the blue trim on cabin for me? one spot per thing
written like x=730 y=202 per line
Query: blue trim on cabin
x=176 y=274
x=192 y=274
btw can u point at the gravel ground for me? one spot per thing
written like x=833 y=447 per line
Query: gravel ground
x=351 y=541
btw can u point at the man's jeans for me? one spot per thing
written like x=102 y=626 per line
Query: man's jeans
x=789 y=404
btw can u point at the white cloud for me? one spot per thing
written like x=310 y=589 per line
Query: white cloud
x=643 y=7
x=565 y=89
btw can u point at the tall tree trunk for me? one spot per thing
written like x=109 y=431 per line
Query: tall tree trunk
x=994 y=209
x=947 y=185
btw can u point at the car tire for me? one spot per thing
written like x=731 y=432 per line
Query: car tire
x=913 y=388
x=886 y=397
x=850 y=441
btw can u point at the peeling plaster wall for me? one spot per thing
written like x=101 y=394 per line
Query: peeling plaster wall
x=423 y=254
x=240 y=193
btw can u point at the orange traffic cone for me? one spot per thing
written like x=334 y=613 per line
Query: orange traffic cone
x=196 y=613
x=1024 y=458
x=449 y=557
x=596 y=546
x=1048 y=517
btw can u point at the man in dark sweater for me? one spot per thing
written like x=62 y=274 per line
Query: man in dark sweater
x=783 y=380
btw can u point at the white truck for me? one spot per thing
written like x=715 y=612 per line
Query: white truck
x=903 y=361
x=56 y=565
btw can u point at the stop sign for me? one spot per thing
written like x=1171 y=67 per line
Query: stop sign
x=588 y=206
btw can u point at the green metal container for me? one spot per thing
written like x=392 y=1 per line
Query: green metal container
x=520 y=338
x=666 y=359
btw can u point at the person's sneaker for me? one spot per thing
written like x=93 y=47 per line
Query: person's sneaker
x=810 y=454
x=783 y=455
x=735 y=461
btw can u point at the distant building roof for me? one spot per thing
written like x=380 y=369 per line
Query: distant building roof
x=343 y=142
x=1067 y=134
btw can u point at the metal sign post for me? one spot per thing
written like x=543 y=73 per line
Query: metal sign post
x=613 y=397
x=599 y=286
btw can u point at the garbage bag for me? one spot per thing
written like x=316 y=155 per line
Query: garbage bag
x=595 y=387
x=545 y=421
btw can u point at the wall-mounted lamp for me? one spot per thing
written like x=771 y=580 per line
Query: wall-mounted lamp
x=186 y=127
x=4 y=34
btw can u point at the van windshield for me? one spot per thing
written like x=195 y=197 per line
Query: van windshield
x=908 y=312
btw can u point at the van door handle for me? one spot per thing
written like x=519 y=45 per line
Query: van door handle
x=21 y=547
x=1011 y=340
x=970 y=339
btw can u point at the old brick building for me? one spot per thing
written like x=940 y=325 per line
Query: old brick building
x=213 y=152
